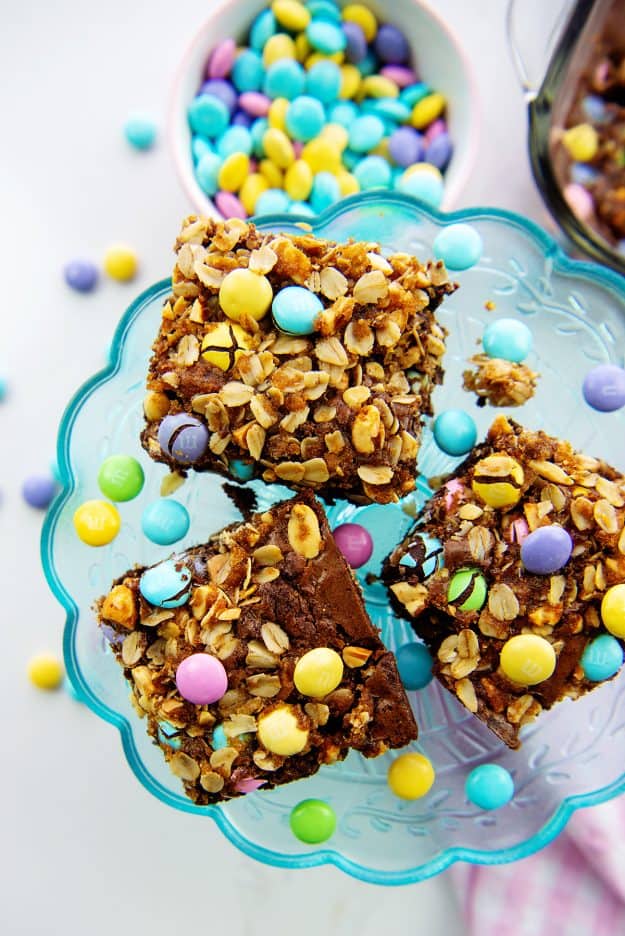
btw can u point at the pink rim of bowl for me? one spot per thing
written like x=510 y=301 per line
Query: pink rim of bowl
x=438 y=52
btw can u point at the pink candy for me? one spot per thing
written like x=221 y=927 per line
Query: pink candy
x=229 y=205
x=298 y=148
x=435 y=129
x=355 y=543
x=518 y=530
x=221 y=59
x=401 y=75
x=248 y=785
x=254 y=103
x=201 y=679
x=579 y=200
x=453 y=488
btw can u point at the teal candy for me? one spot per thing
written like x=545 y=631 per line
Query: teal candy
x=343 y=113
x=263 y=28
x=455 y=432
x=326 y=36
x=509 y=339
x=489 y=786
x=295 y=310
x=165 y=585
x=272 y=201
x=413 y=94
x=248 y=72
x=257 y=132
x=206 y=172
x=165 y=521
x=219 y=740
x=241 y=470
x=325 y=192
x=208 y=116
x=199 y=148
x=373 y=172
x=414 y=662
x=459 y=246
x=368 y=65
x=323 y=81
x=167 y=735
x=140 y=132
x=389 y=109
x=602 y=658
x=422 y=185
x=301 y=208
x=365 y=133
x=285 y=78
x=351 y=159
x=235 y=140
x=324 y=10
x=305 y=118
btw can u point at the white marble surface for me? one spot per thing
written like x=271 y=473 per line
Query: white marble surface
x=84 y=848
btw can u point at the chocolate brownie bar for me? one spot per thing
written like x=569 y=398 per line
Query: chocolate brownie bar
x=335 y=402
x=526 y=538
x=271 y=607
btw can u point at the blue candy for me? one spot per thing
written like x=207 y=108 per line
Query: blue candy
x=207 y=171
x=324 y=10
x=140 y=132
x=248 y=71
x=489 y=786
x=602 y=658
x=166 y=585
x=165 y=521
x=263 y=28
x=365 y=133
x=583 y=174
x=222 y=90
x=509 y=339
x=459 y=246
x=413 y=94
x=208 y=116
x=305 y=118
x=81 y=275
x=285 y=78
x=414 y=662
x=38 y=491
x=389 y=109
x=218 y=740
x=368 y=65
x=351 y=159
x=272 y=201
x=301 y=208
x=241 y=119
x=199 y=148
x=438 y=152
x=295 y=310
x=373 y=172
x=455 y=432
x=423 y=185
x=325 y=192
x=235 y=140
x=183 y=437
x=258 y=130
x=167 y=735
x=594 y=108
x=324 y=81
x=241 y=470
x=356 y=43
x=326 y=36
x=343 y=113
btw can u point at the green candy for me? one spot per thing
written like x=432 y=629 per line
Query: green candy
x=312 y=821
x=471 y=584
x=120 y=477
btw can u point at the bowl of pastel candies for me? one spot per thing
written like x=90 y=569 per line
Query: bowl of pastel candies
x=292 y=105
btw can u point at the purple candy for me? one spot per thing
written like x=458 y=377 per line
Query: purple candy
x=38 y=490
x=255 y=103
x=356 y=48
x=241 y=119
x=391 y=46
x=81 y=275
x=355 y=543
x=546 y=550
x=183 y=437
x=248 y=784
x=400 y=74
x=604 y=388
x=222 y=90
x=229 y=205
x=405 y=146
x=439 y=151
x=221 y=59
x=435 y=129
x=201 y=679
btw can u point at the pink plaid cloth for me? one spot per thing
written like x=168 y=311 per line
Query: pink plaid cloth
x=574 y=887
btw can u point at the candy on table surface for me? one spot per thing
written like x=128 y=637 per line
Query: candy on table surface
x=507 y=338
x=165 y=521
x=183 y=438
x=411 y=776
x=489 y=786
x=4 y=389
x=355 y=543
x=120 y=477
x=414 y=662
x=546 y=550
x=295 y=310
x=312 y=821
x=45 y=671
x=81 y=275
x=527 y=659
x=208 y=115
x=467 y=590
x=604 y=388
x=581 y=142
x=613 y=610
x=602 y=658
x=39 y=490
x=166 y=585
x=120 y=263
x=201 y=679
x=97 y=522
x=459 y=246
x=455 y=431
x=140 y=132
x=221 y=59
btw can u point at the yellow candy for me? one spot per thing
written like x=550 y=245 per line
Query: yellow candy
x=234 y=171
x=298 y=180
x=278 y=47
x=613 y=610
x=377 y=86
x=422 y=167
x=335 y=134
x=221 y=344
x=322 y=155
x=303 y=47
x=318 y=672
x=45 y=671
x=244 y=291
x=527 y=659
x=271 y=172
x=410 y=776
x=363 y=17
x=495 y=493
x=279 y=731
x=276 y=118
x=279 y=148
x=251 y=190
x=120 y=263
x=427 y=110
x=350 y=82
x=382 y=150
x=348 y=184
x=291 y=14
x=581 y=142
x=97 y=522
x=337 y=57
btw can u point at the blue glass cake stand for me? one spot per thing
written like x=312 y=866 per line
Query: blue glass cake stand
x=572 y=757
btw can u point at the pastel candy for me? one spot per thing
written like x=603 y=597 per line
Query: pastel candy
x=166 y=585
x=165 y=521
x=318 y=672
x=295 y=310
x=455 y=432
x=459 y=246
x=528 y=659
x=221 y=59
x=467 y=589
x=414 y=662
x=201 y=679
x=312 y=821
x=509 y=339
x=613 y=610
x=546 y=550
x=411 y=776
x=604 y=388
x=602 y=658
x=355 y=543
x=183 y=437
x=279 y=731
x=489 y=786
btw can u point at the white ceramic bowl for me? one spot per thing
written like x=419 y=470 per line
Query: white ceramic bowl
x=439 y=56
